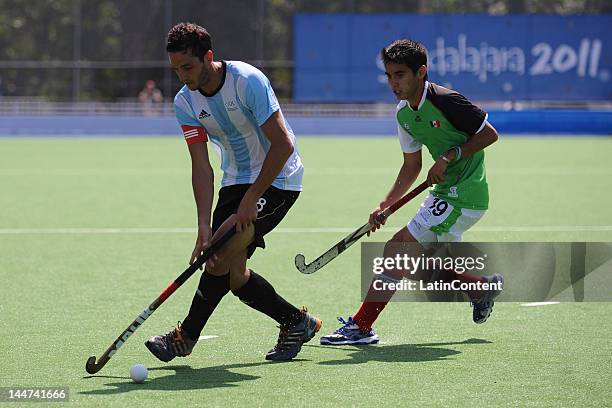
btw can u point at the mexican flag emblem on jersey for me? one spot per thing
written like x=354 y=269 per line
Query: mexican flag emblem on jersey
x=445 y=120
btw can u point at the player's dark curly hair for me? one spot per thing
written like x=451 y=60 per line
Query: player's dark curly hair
x=407 y=52
x=189 y=37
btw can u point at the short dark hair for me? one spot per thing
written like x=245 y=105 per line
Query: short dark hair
x=189 y=37
x=407 y=52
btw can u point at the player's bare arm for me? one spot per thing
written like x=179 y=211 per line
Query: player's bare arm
x=479 y=141
x=486 y=137
x=202 y=180
x=281 y=148
x=411 y=167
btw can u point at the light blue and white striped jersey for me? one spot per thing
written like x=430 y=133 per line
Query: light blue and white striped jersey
x=232 y=117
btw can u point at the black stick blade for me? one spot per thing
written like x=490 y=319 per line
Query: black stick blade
x=91 y=367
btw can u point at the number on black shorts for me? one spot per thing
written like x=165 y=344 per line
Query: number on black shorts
x=260 y=204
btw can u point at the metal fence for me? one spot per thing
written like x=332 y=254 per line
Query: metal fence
x=131 y=107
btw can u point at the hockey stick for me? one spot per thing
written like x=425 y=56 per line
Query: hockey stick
x=93 y=367
x=333 y=252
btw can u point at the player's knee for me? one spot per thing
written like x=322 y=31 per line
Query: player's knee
x=403 y=235
x=239 y=273
x=402 y=243
x=238 y=279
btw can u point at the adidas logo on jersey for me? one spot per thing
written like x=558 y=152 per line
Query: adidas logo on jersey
x=203 y=114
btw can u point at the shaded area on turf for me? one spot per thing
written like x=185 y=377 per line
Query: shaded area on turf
x=400 y=353
x=184 y=378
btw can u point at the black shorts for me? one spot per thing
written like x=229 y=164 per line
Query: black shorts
x=271 y=209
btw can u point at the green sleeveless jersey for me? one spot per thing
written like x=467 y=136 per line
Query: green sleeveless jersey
x=445 y=119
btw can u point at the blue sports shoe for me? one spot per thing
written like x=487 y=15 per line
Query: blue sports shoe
x=483 y=307
x=349 y=333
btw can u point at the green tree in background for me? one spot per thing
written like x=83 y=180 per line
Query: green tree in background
x=39 y=39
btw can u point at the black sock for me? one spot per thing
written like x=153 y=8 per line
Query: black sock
x=211 y=290
x=260 y=295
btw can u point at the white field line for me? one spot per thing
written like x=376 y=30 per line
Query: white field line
x=323 y=171
x=281 y=230
x=93 y=172
x=536 y=304
x=207 y=337
x=544 y=228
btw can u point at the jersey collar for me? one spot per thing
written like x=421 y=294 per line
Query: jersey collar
x=213 y=93
x=423 y=97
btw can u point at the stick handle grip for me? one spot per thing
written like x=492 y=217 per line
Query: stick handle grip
x=383 y=215
x=415 y=192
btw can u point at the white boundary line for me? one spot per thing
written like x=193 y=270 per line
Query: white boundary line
x=207 y=337
x=282 y=230
x=536 y=304
x=544 y=228
x=318 y=171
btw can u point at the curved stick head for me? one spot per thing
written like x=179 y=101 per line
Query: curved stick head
x=300 y=262
x=91 y=367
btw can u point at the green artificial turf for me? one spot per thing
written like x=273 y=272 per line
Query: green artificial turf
x=92 y=230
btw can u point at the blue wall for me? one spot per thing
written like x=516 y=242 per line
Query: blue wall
x=516 y=57
x=522 y=122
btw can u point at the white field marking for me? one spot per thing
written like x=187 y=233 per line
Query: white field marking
x=535 y=304
x=527 y=171
x=207 y=337
x=550 y=171
x=543 y=228
x=324 y=171
x=281 y=230
x=94 y=172
x=145 y=171
x=95 y=231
